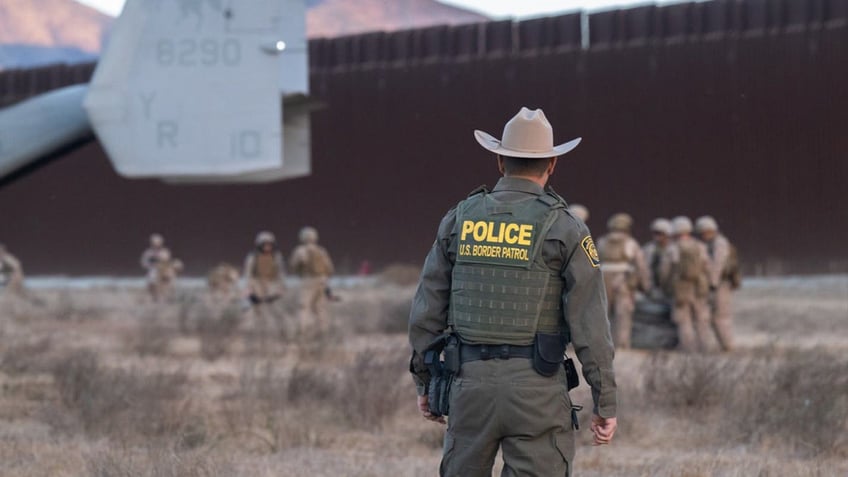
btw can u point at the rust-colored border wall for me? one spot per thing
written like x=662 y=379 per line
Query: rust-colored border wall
x=744 y=123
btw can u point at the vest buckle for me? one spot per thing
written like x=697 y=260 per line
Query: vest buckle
x=504 y=351
x=484 y=353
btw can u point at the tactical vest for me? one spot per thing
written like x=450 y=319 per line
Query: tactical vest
x=265 y=266
x=315 y=264
x=614 y=249
x=501 y=290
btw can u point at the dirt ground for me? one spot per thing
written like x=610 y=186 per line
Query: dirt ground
x=97 y=381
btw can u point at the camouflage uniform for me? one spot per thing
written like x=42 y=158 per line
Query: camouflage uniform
x=686 y=263
x=223 y=282
x=313 y=265
x=624 y=271
x=162 y=269
x=505 y=402
x=719 y=251
x=165 y=276
x=653 y=251
x=11 y=272
x=264 y=270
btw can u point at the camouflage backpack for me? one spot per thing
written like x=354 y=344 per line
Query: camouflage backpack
x=691 y=265
x=614 y=249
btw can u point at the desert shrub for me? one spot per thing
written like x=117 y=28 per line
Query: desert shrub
x=121 y=402
x=400 y=274
x=26 y=356
x=67 y=308
x=308 y=384
x=687 y=380
x=368 y=313
x=155 y=462
x=799 y=400
x=371 y=389
x=151 y=337
x=215 y=330
x=394 y=315
x=261 y=412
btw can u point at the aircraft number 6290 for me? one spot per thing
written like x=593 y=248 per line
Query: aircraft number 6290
x=198 y=52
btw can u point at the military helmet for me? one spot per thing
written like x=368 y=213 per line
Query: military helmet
x=706 y=223
x=308 y=235
x=156 y=240
x=620 y=222
x=681 y=225
x=661 y=225
x=264 y=237
x=580 y=211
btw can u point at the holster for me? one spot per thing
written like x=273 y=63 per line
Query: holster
x=571 y=376
x=442 y=361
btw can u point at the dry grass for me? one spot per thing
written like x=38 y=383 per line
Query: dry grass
x=120 y=402
x=98 y=385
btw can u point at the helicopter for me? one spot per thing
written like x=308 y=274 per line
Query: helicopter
x=186 y=91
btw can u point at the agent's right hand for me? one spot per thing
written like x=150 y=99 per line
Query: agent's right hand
x=603 y=429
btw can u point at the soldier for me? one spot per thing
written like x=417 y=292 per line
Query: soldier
x=724 y=278
x=223 y=282
x=152 y=255
x=264 y=271
x=313 y=265
x=580 y=211
x=164 y=275
x=514 y=276
x=11 y=272
x=624 y=271
x=654 y=252
x=151 y=258
x=686 y=265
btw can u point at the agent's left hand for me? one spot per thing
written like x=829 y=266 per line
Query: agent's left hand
x=424 y=407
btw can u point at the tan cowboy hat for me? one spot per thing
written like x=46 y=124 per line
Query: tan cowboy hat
x=529 y=135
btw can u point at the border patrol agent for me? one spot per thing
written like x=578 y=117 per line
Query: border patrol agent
x=513 y=276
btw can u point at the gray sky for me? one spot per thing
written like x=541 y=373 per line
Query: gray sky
x=494 y=8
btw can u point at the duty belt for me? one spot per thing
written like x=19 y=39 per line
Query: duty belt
x=488 y=351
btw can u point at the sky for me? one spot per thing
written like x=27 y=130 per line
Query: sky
x=493 y=8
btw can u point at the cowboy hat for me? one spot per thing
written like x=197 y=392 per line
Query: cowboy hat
x=528 y=135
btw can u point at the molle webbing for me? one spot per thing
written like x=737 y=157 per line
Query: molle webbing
x=502 y=292
x=503 y=306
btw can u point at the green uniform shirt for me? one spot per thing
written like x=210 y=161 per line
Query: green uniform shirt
x=568 y=250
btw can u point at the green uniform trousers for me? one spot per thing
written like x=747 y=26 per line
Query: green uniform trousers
x=505 y=403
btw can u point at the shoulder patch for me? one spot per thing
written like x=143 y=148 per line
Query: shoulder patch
x=591 y=252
